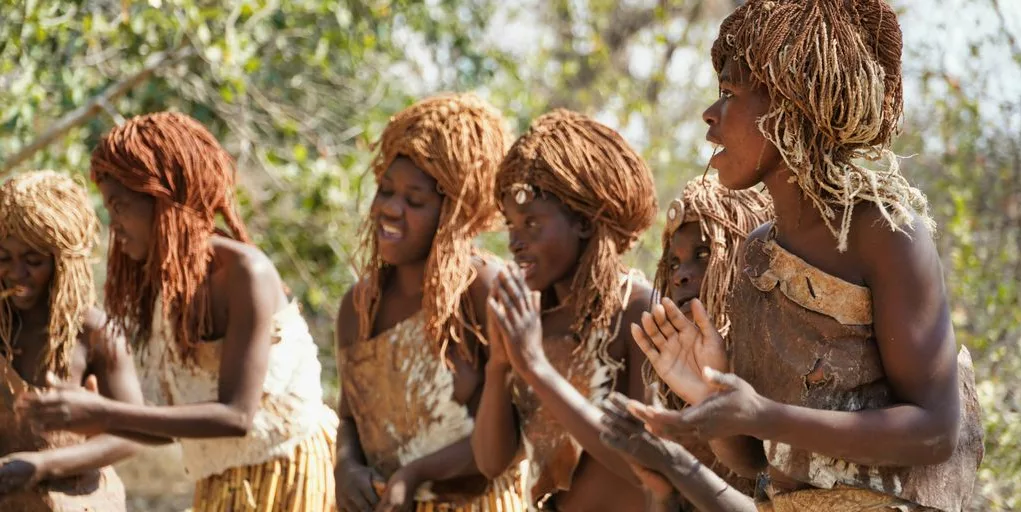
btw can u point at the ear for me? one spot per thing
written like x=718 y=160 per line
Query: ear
x=583 y=227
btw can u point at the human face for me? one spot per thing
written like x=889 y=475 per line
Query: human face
x=27 y=270
x=744 y=157
x=546 y=239
x=131 y=217
x=687 y=262
x=406 y=211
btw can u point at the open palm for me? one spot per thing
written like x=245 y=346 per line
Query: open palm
x=680 y=349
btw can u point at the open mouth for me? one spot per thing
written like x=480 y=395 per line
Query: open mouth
x=527 y=267
x=390 y=232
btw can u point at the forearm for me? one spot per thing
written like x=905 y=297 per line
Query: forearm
x=902 y=435
x=580 y=418
x=203 y=420
x=452 y=461
x=95 y=453
x=742 y=454
x=494 y=440
x=704 y=489
x=349 y=448
x=146 y=439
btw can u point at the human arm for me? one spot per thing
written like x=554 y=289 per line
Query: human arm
x=245 y=350
x=518 y=312
x=917 y=350
x=355 y=481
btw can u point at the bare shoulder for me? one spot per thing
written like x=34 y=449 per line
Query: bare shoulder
x=100 y=338
x=250 y=263
x=878 y=247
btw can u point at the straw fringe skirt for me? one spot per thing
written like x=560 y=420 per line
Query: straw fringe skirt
x=302 y=483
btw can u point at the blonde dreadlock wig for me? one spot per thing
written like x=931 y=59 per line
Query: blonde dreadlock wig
x=52 y=214
x=724 y=217
x=173 y=159
x=595 y=173
x=832 y=69
x=459 y=140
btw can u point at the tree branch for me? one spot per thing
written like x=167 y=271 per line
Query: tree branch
x=93 y=107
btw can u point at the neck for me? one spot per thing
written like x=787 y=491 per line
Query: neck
x=792 y=209
x=36 y=316
x=409 y=279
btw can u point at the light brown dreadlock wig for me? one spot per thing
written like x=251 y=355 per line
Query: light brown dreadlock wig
x=595 y=173
x=173 y=159
x=725 y=217
x=52 y=214
x=832 y=69
x=459 y=140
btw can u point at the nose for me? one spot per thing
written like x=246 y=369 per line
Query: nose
x=19 y=271
x=711 y=115
x=682 y=276
x=391 y=207
x=515 y=243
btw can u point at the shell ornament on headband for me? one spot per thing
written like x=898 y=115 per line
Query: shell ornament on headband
x=675 y=215
x=522 y=192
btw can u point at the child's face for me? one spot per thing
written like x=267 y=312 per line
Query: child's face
x=406 y=211
x=687 y=261
x=743 y=156
x=546 y=239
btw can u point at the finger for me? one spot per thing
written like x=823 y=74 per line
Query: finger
x=536 y=300
x=675 y=317
x=620 y=422
x=720 y=380
x=504 y=323
x=705 y=324
x=519 y=291
x=91 y=384
x=504 y=295
x=644 y=343
x=355 y=500
x=53 y=381
x=615 y=440
x=615 y=410
x=662 y=322
x=653 y=332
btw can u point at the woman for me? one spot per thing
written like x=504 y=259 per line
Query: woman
x=848 y=391
x=223 y=353
x=576 y=197
x=54 y=337
x=409 y=333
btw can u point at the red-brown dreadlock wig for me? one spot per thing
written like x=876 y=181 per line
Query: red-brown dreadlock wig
x=832 y=69
x=173 y=159
x=52 y=213
x=594 y=172
x=459 y=140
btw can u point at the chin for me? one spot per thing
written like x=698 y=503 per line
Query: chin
x=24 y=303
